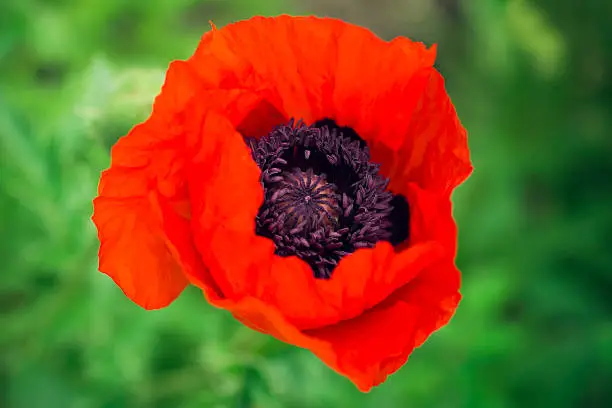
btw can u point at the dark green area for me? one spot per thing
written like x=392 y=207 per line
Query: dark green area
x=533 y=85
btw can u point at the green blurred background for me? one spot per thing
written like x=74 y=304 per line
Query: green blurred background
x=531 y=81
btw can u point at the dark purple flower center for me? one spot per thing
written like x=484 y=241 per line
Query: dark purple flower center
x=324 y=198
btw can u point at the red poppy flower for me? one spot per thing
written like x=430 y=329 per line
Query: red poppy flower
x=299 y=171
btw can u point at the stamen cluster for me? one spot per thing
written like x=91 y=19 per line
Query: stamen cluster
x=323 y=197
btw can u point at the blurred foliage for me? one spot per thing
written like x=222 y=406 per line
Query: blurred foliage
x=532 y=82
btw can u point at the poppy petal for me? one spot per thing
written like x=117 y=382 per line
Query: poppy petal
x=299 y=77
x=433 y=151
x=225 y=196
x=146 y=167
x=133 y=252
x=375 y=344
x=145 y=189
x=379 y=84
